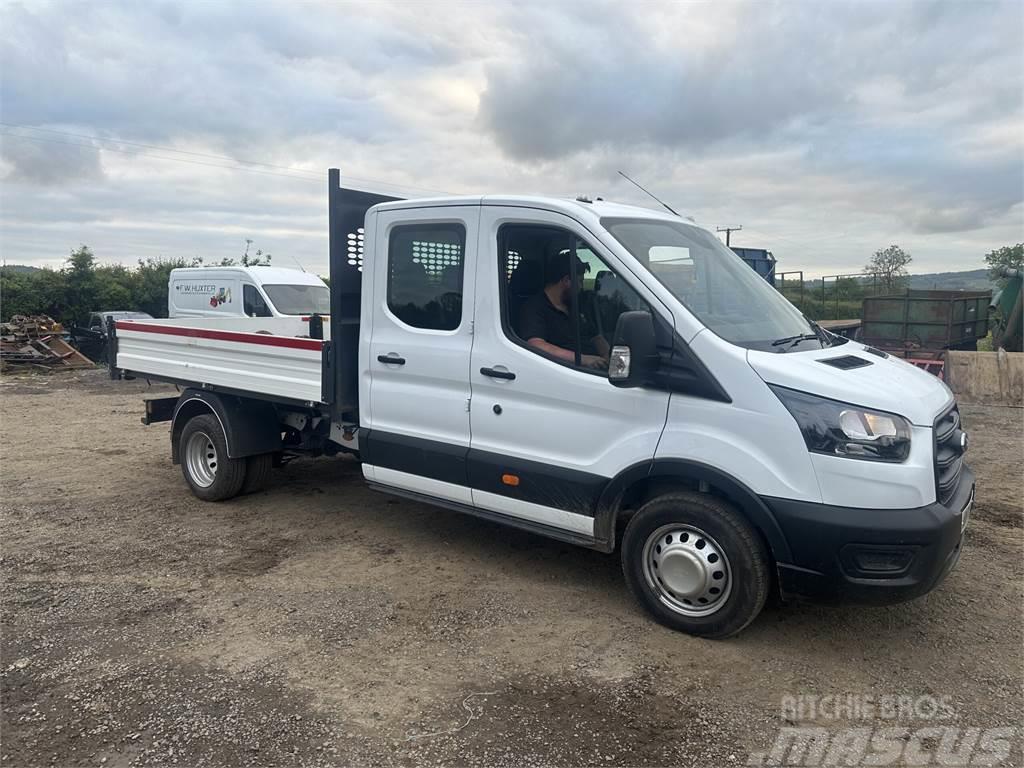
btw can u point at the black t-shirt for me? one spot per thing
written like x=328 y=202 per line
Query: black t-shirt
x=540 y=319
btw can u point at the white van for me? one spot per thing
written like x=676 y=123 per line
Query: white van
x=245 y=292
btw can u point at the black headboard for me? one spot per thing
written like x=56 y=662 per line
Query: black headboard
x=347 y=213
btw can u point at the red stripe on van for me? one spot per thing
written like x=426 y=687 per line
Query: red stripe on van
x=266 y=340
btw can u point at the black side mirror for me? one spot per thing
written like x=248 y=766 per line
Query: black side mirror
x=634 y=355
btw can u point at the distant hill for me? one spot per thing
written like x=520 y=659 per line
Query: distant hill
x=20 y=269
x=972 y=280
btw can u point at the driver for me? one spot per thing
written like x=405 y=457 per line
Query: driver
x=545 y=319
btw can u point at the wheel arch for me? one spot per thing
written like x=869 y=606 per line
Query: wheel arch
x=250 y=426
x=643 y=481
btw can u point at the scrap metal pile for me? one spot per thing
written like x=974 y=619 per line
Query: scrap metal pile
x=36 y=341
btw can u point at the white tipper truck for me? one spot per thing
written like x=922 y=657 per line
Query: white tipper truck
x=603 y=374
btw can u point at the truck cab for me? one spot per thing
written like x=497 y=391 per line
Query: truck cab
x=245 y=292
x=602 y=374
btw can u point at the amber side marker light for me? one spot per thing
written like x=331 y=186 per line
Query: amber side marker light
x=512 y=480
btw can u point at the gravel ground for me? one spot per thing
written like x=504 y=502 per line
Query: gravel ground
x=319 y=623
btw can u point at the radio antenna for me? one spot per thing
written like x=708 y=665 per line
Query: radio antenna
x=662 y=202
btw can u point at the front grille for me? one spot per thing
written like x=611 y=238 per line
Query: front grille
x=949 y=454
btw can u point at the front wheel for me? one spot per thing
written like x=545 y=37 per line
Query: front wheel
x=696 y=564
x=208 y=470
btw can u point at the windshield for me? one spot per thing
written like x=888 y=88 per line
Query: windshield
x=716 y=285
x=300 y=299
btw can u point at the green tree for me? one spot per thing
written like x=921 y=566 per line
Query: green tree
x=890 y=265
x=81 y=287
x=114 y=287
x=258 y=259
x=80 y=272
x=32 y=293
x=1000 y=259
x=150 y=277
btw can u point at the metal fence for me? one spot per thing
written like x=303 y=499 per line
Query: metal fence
x=850 y=288
x=782 y=286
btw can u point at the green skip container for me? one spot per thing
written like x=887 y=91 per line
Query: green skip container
x=926 y=320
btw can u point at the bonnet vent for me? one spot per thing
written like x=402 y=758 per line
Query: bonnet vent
x=846 y=362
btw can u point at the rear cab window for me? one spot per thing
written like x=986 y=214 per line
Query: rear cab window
x=426 y=263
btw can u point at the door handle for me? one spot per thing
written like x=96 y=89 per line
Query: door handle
x=391 y=359
x=496 y=374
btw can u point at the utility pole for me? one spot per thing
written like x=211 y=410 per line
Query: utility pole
x=728 y=231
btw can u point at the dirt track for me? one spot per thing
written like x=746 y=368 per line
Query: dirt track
x=320 y=623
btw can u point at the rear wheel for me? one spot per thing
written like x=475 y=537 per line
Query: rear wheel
x=696 y=564
x=257 y=472
x=208 y=470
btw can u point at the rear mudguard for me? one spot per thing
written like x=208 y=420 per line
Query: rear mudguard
x=251 y=427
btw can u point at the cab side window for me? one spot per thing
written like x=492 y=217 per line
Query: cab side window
x=253 y=304
x=425 y=269
x=605 y=295
x=560 y=299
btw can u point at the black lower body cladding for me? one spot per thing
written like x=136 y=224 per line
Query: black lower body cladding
x=535 y=482
x=872 y=556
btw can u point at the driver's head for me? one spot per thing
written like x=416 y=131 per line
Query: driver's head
x=557 y=269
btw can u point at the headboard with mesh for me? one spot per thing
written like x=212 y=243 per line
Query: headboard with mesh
x=346 y=216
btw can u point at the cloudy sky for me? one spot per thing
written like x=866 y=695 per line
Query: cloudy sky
x=827 y=130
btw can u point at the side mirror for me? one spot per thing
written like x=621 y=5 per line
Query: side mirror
x=634 y=356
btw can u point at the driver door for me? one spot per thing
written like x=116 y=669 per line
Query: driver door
x=547 y=435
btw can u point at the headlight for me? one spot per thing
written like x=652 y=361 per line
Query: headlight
x=839 y=429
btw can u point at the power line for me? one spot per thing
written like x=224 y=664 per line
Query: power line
x=728 y=231
x=296 y=173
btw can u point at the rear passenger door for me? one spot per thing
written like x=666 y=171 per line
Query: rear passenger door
x=417 y=434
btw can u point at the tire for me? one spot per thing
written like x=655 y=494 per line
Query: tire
x=209 y=472
x=696 y=564
x=257 y=472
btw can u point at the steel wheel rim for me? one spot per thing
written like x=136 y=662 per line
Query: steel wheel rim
x=687 y=569
x=201 y=459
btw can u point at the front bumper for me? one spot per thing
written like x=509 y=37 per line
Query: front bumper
x=875 y=556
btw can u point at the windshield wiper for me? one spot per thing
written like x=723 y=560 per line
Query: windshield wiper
x=792 y=341
x=821 y=333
